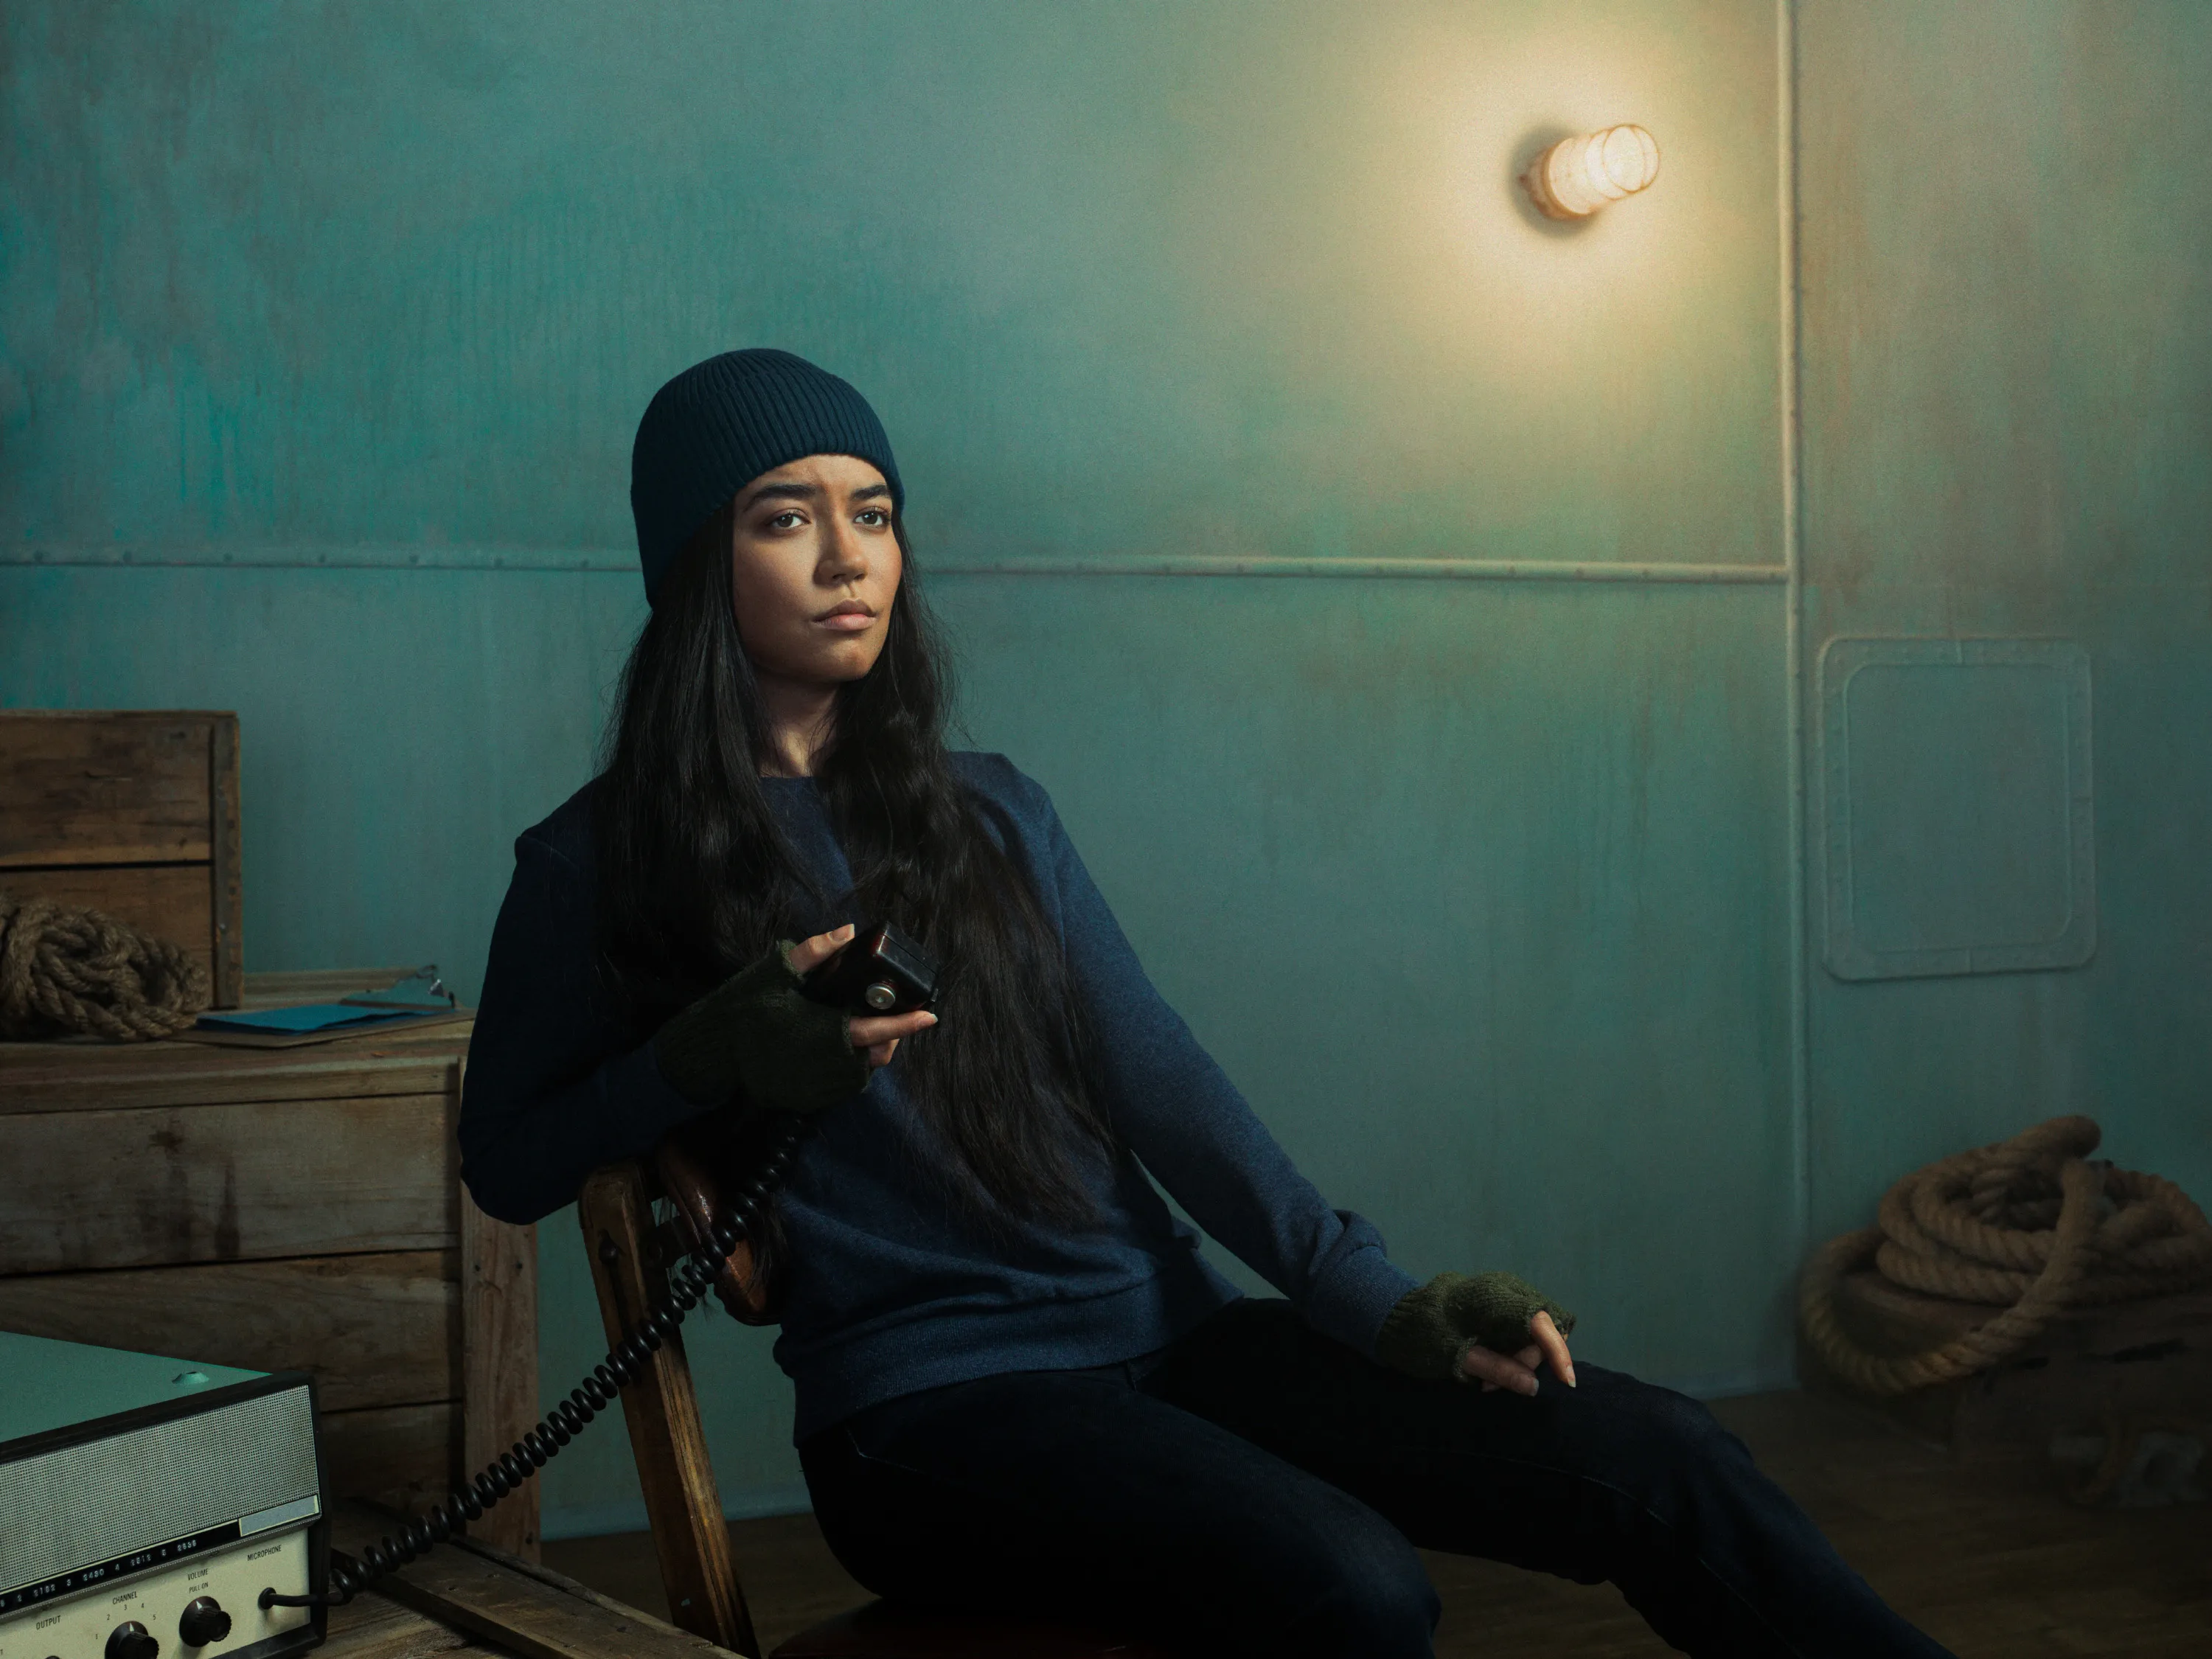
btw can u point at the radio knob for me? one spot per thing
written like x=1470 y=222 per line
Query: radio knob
x=204 y=1621
x=132 y=1641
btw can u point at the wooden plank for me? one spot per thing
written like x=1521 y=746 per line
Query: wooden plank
x=530 y=1613
x=499 y=1363
x=404 y=1457
x=225 y=873
x=681 y=1503
x=105 y=787
x=75 y=1077
x=169 y=901
x=375 y=1330
x=222 y=1183
x=277 y=990
x=568 y=1586
x=892 y=1630
x=370 y=1626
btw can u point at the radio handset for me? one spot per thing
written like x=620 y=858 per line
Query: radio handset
x=882 y=971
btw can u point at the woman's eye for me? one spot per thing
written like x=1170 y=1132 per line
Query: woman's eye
x=786 y=521
x=875 y=517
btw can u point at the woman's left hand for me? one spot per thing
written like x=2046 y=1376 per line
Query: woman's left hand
x=1517 y=1371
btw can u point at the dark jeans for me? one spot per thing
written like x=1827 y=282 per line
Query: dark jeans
x=1258 y=1489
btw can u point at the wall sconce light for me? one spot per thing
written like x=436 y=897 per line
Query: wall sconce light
x=1577 y=176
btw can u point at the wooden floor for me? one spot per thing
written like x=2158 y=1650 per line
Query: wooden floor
x=1988 y=1559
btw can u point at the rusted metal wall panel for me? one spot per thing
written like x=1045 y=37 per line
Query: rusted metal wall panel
x=2007 y=215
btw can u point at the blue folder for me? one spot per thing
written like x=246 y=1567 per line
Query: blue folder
x=315 y=1016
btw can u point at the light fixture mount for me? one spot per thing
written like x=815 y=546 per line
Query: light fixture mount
x=1575 y=177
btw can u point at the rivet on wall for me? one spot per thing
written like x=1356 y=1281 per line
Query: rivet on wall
x=1575 y=177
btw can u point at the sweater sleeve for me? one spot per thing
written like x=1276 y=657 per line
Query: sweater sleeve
x=1178 y=1111
x=553 y=1089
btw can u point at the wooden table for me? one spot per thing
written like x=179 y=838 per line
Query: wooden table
x=280 y=1209
x=467 y=1598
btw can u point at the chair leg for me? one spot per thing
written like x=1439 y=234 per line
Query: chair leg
x=499 y=1365
x=689 y=1535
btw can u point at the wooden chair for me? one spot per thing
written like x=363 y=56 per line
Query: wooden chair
x=629 y=1260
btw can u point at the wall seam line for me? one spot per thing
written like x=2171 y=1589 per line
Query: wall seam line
x=1791 y=343
x=1105 y=565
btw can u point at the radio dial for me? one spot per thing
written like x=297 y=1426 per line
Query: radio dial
x=204 y=1621
x=132 y=1641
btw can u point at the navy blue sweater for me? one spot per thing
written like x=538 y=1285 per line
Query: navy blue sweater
x=889 y=1292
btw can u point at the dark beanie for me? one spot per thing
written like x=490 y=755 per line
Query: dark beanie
x=720 y=424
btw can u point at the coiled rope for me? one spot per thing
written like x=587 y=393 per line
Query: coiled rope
x=82 y=973
x=2030 y=1225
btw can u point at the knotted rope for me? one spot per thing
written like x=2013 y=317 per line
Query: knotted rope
x=2030 y=1225
x=70 y=973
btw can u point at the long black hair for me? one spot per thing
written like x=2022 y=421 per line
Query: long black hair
x=696 y=879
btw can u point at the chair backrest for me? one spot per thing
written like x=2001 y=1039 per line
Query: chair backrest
x=629 y=1267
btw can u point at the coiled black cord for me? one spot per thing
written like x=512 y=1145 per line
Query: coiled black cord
x=567 y=1420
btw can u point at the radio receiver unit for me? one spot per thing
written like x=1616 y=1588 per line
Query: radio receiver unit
x=146 y=1504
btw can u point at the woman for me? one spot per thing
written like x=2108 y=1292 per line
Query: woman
x=1019 y=1385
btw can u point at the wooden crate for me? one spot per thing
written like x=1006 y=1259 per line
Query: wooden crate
x=133 y=813
x=278 y=1209
x=2143 y=1359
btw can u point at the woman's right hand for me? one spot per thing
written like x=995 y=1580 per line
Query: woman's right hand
x=876 y=1036
x=1517 y=1371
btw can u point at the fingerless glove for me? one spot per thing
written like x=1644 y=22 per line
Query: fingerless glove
x=1433 y=1326
x=756 y=1036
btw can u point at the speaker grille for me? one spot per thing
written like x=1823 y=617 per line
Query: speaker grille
x=91 y=1503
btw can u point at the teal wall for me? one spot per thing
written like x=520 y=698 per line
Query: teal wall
x=2008 y=396
x=326 y=327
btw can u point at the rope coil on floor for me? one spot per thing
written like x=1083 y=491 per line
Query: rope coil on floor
x=67 y=972
x=2030 y=1225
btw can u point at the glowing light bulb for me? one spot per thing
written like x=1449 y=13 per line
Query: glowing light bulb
x=1577 y=176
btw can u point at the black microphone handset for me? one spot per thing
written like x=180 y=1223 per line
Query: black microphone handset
x=881 y=971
